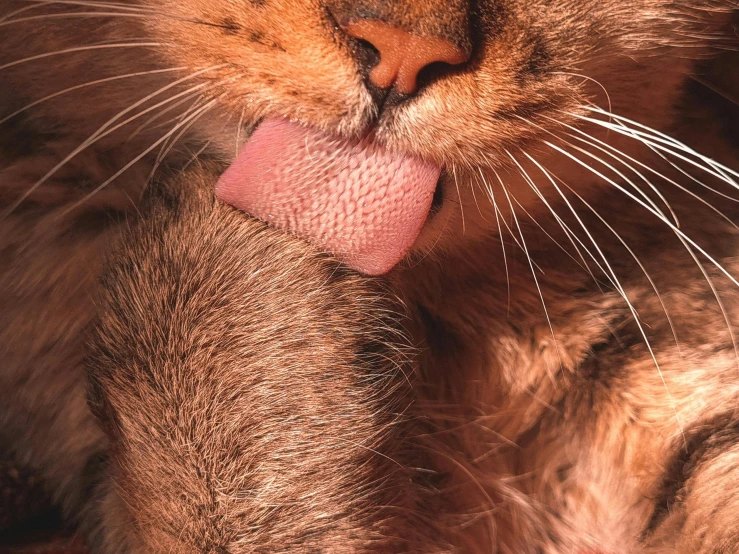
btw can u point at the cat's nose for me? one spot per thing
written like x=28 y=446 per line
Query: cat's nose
x=403 y=55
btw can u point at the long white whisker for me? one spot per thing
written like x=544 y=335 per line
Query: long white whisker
x=499 y=214
x=36 y=4
x=571 y=235
x=623 y=176
x=195 y=98
x=477 y=204
x=110 y=5
x=500 y=234
x=196 y=155
x=617 y=154
x=671 y=140
x=71 y=15
x=169 y=144
x=459 y=195
x=655 y=142
x=585 y=77
x=702 y=269
x=629 y=133
x=238 y=131
x=682 y=240
x=79 y=49
x=102 y=132
x=582 y=264
x=648 y=208
x=119 y=14
x=713 y=168
x=88 y=84
x=22 y=10
x=100 y=187
x=622 y=291
x=533 y=272
x=631 y=253
x=714 y=88
x=166 y=148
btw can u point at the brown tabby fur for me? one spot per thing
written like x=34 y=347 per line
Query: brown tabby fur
x=250 y=395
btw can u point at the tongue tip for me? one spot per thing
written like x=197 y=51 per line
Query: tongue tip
x=362 y=203
x=372 y=266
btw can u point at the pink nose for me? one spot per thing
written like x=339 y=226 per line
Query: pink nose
x=402 y=54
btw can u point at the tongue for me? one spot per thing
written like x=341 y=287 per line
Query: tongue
x=355 y=199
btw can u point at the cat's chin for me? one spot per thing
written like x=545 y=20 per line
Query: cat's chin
x=354 y=198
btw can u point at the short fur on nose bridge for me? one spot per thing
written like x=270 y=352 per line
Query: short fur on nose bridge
x=402 y=54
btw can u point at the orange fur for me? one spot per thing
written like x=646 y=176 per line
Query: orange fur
x=250 y=395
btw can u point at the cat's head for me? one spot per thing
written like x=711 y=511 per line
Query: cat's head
x=347 y=114
x=469 y=87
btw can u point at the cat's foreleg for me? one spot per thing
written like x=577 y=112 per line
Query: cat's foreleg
x=699 y=512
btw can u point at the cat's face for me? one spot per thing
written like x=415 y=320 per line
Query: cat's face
x=483 y=80
x=297 y=58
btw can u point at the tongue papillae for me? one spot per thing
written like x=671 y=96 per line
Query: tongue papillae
x=357 y=200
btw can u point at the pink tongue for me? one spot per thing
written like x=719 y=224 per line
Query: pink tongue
x=357 y=200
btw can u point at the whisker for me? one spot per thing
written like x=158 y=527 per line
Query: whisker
x=80 y=49
x=682 y=240
x=70 y=15
x=660 y=144
x=111 y=5
x=197 y=154
x=628 y=133
x=571 y=235
x=194 y=98
x=714 y=88
x=167 y=148
x=238 y=131
x=502 y=218
x=721 y=171
x=623 y=294
x=690 y=251
x=491 y=193
x=582 y=264
x=620 y=174
x=477 y=204
x=648 y=208
x=533 y=272
x=700 y=266
x=102 y=132
x=88 y=84
x=617 y=154
x=680 y=234
x=138 y=11
x=169 y=144
x=630 y=182
x=22 y=10
x=203 y=148
x=459 y=195
x=631 y=253
x=118 y=173
x=585 y=77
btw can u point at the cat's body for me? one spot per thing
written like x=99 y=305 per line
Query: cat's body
x=541 y=420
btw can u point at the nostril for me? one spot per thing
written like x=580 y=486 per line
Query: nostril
x=369 y=46
x=402 y=55
x=365 y=54
x=435 y=72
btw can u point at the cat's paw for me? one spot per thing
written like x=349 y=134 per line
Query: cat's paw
x=252 y=389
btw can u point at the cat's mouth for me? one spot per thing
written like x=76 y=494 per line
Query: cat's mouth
x=361 y=202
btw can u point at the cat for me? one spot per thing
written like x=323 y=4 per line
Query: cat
x=547 y=189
